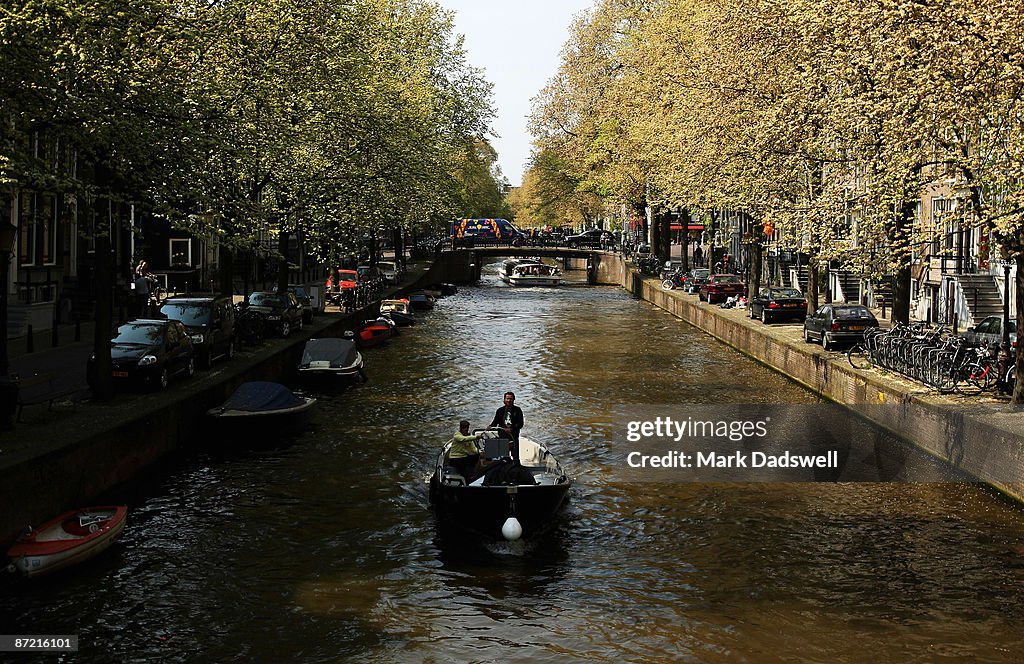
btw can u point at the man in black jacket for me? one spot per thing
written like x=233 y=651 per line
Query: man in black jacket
x=509 y=418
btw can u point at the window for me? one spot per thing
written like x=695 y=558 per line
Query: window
x=181 y=252
x=27 y=229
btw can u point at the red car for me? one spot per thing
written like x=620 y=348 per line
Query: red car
x=719 y=287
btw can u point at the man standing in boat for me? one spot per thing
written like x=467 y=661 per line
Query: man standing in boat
x=464 y=454
x=509 y=419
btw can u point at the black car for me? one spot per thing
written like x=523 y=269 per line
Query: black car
x=304 y=299
x=595 y=238
x=280 y=310
x=833 y=323
x=695 y=279
x=210 y=321
x=778 y=303
x=148 y=352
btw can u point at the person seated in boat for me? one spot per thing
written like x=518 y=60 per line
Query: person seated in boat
x=464 y=454
x=509 y=420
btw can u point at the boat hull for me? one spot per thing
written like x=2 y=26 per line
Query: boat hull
x=484 y=509
x=62 y=542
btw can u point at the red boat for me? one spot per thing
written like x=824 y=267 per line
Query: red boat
x=68 y=539
x=375 y=332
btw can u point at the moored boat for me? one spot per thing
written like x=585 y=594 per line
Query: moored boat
x=68 y=539
x=506 y=499
x=399 y=311
x=421 y=301
x=375 y=332
x=331 y=357
x=262 y=400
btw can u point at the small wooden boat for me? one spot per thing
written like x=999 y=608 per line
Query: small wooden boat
x=262 y=400
x=399 y=311
x=421 y=301
x=331 y=357
x=70 y=538
x=507 y=499
x=375 y=332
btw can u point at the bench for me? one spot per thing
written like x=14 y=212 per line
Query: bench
x=40 y=388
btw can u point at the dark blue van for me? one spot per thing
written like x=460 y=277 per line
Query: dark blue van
x=470 y=232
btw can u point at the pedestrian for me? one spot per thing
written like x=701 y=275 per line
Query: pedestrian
x=698 y=256
x=142 y=288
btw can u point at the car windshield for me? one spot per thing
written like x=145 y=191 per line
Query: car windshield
x=266 y=299
x=298 y=290
x=727 y=279
x=785 y=292
x=187 y=313
x=851 y=312
x=139 y=333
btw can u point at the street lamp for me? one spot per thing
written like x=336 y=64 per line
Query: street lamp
x=8 y=388
x=1004 y=346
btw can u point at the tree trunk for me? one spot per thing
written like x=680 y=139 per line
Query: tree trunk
x=812 y=285
x=1018 y=388
x=226 y=271
x=684 y=220
x=282 y=261
x=754 y=285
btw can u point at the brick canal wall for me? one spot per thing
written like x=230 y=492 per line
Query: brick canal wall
x=102 y=446
x=986 y=441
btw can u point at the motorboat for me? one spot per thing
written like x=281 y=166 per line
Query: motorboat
x=399 y=311
x=375 y=332
x=421 y=301
x=504 y=498
x=331 y=358
x=66 y=540
x=529 y=272
x=262 y=401
x=445 y=289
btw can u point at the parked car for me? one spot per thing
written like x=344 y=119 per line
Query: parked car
x=778 y=303
x=148 y=352
x=391 y=270
x=369 y=273
x=283 y=312
x=210 y=322
x=695 y=279
x=719 y=287
x=594 y=238
x=304 y=300
x=835 y=323
x=990 y=330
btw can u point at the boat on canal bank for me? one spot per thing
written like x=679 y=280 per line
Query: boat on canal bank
x=331 y=358
x=68 y=539
x=262 y=402
x=399 y=311
x=505 y=499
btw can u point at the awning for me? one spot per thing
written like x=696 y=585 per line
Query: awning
x=691 y=227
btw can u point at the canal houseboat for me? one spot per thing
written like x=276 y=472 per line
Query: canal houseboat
x=505 y=498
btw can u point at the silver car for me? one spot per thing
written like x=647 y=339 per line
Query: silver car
x=990 y=330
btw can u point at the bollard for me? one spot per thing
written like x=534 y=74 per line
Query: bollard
x=882 y=299
x=29 y=342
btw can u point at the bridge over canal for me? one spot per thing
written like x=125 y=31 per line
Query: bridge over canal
x=464 y=264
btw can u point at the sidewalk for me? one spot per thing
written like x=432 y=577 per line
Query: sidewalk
x=66 y=361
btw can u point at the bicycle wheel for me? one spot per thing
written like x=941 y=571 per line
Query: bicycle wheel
x=983 y=375
x=962 y=381
x=942 y=377
x=859 y=357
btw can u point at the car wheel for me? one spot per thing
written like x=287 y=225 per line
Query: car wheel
x=300 y=325
x=190 y=367
x=764 y=316
x=163 y=380
x=807 y=336
x=826 y=342
x=286 y=328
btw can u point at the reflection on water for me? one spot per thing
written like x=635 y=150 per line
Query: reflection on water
x=324 y=549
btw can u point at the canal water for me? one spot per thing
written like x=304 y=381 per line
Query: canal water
x=321 y=547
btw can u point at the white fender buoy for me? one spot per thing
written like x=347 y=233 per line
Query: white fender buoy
x=512 y=530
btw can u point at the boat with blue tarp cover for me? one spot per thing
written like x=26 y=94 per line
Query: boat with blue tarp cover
x=260 y=400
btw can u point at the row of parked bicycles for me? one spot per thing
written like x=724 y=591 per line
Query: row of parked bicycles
x=935 y=357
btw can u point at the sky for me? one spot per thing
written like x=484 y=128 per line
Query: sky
x=517 y=44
